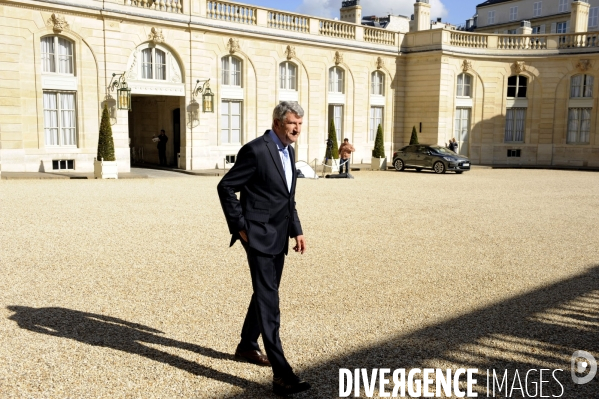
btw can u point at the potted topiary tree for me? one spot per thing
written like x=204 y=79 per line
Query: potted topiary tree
x=414 y=137
x=333 y=156
x=378 y=161
x=105 y=166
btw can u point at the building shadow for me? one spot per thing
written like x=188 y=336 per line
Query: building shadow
x=539 y=329
x=114 y=333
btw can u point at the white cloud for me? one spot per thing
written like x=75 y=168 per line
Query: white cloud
x=330 y=8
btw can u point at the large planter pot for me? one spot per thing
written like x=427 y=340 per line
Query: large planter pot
x=334 y=166
x=378 y=163
x=106 y=170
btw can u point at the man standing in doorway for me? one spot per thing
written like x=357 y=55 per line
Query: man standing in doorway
x=162 y=139
x=263 y=219
x=345 y=151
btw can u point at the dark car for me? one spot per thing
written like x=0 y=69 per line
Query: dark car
x=435 y=157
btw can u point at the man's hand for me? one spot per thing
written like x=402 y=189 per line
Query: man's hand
x=300 y=244
x=244 y=235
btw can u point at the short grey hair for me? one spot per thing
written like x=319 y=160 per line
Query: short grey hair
x=278 y=114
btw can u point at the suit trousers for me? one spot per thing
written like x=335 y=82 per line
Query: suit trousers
x=263 y=315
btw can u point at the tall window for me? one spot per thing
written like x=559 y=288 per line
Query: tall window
x=593 y=17
x=464 y=85
x=377 y=87
x=513 y=13
x=491 y=17
x=231 y=71
x=57 y=55
x=561 y=27
x=60 y=122
x=376 y=119
x=537 y=8
x=563 y=6
x=462 y=128
x=288 y=73
x=579 y=125
x=336 y=114
x=514 y=124
x=336 y=80
x=581 y=86
x=153 y=64
x=516 y=86
x=230 y=132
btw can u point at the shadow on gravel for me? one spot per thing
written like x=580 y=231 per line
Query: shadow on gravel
x=110 y=332
x=539 y=329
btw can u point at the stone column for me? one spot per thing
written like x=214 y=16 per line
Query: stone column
x=422 y=15
x=579 y=17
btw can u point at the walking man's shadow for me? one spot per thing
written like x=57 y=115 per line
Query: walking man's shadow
x=110 y=332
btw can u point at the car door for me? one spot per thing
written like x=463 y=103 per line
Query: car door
x=420 y=156
x=426 y=158
x=410 y=155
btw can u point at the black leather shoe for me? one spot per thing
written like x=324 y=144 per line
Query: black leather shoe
x=255 y=357
x=283 y=388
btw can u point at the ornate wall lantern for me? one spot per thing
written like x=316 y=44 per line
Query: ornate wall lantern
x=123 y=91
x=207 y=95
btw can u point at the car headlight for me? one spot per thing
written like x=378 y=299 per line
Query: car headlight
x=449 y=159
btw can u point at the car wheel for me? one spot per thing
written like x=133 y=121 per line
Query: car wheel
x=438 y=167
x=398 y=164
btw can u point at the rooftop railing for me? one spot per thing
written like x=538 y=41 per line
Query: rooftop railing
x=159 y=5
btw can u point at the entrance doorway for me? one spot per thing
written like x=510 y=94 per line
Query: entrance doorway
x=462 y=129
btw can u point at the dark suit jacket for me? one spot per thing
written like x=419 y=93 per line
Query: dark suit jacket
x=265 y=208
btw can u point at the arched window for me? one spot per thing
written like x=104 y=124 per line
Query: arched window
x=516 y=86
x=231 y=71
x=464 y=85
x=288 y=72
x=581 y=86
x=57 y=55
x=377 y=85
x=153 y=64
x=336 y=80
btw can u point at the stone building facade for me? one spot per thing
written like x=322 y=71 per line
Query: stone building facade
x=507 y=99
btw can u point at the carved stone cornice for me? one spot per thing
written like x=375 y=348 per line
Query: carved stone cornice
x=156 y=36
x=338 y=58
x=584 y=65
x=290 y=52
x=58 y=23
x=233 y=45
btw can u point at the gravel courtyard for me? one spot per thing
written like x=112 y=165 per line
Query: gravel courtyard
x=128 y=289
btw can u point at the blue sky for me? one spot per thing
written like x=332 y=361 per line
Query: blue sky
x=453 y=11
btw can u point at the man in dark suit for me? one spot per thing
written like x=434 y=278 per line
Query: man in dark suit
x=263 y=219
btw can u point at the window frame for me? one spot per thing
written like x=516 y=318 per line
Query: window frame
x=229 y=124
x=585 y=88
x=593 y=17
x=228 y=74
x=537 y=8
x=513 y=13
x=153 y=64
x=377 y=81
x=511 y=125
x=562 y=6
x=60 y=119
x=518 y=86
x=339 y=81
x=579 y=123
x=491 y=17
x=55 y=57
x=460 y=86
x=563 y=26
x=373 y=118
x=286 y=79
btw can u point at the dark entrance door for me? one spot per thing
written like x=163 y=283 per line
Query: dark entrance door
x=176 y=135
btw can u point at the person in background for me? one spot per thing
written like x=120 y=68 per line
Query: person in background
x=345 y=151
x=162 y=139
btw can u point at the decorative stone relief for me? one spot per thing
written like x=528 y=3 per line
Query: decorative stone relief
x=156 y=36
x=132 y=72
x=379 y=63
x=466 y=66
x=175 y=72
x=518 y=67
x=290 y=52
x=58 y=23
x=584 y=65
x=338 y=58
x=233 y=45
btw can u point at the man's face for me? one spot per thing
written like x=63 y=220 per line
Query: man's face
x=289 y=130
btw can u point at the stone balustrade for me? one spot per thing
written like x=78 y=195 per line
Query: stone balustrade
x=281 y=20
x=233 y=12
x=341 y=30
x=522 y=42
x=159 y=5
x=578 y=40
x=461 y=39
x=379 y=36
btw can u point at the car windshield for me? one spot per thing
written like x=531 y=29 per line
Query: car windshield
x=442 y=150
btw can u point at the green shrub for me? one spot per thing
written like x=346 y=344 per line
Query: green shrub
x=333 y=138
x=105 y=142
x=414 y=138
x=379 y=146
